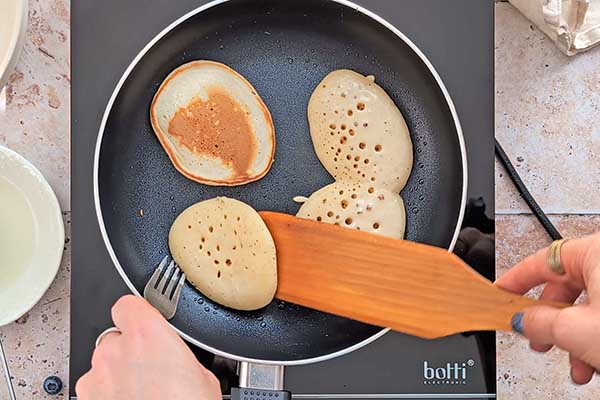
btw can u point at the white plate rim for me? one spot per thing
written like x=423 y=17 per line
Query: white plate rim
x=53 y=265
x=16 y=43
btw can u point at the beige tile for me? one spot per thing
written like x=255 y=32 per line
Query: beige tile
x=521 y=373
x=36 y=120
x=547 y=118
x=37 y=345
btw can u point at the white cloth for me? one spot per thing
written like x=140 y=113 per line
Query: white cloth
x=574 y=25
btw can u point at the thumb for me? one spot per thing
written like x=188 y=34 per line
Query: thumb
x=573 y=329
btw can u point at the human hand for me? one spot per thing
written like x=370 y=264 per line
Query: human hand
x=574 y=329
x=146 y=361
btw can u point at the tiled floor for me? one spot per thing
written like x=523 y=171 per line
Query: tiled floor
x=37 y=344
x=548 y=121
x=36 y=124
x=523 y=374
x=36 y=120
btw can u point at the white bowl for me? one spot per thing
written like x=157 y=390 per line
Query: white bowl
x=32 y=235
x=13 y=24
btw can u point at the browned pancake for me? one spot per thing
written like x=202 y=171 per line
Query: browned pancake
x=213 y=125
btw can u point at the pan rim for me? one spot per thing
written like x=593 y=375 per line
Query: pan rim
x=98 y=146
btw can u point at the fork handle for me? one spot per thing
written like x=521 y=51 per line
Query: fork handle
x=11 y=389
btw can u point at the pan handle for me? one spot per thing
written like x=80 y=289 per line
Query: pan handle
x=260 y=382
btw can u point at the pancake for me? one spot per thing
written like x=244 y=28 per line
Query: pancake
x=361 y=138
x=358 y=132
x=226 y=252
x=213 y=125
x=357 y=206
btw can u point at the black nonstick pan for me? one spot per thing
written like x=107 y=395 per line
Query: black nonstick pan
x=284 y=48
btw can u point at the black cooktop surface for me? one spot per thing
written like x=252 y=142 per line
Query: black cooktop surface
x=457 y=37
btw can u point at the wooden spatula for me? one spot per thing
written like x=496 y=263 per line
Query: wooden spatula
x=410 y=287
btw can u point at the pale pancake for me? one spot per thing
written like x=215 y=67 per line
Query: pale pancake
x=226 y=252
x=358 y=132
x=357 y=206
x=362 y=139
x=213 y=124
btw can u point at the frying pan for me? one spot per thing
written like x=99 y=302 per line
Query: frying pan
x=284 y=49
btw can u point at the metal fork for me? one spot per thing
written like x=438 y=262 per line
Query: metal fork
x=164 y=287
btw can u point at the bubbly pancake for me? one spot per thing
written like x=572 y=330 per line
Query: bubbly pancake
x=358 y=132
x=362 y=140
x=357 y=206
x=213 y=125
x=226 y=252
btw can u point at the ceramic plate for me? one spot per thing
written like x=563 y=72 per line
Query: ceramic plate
x=31 y=236
x=13 y=23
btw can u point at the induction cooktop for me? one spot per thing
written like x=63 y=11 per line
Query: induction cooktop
x=457 y=37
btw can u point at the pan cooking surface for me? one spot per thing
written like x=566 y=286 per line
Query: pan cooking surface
x=284 y=52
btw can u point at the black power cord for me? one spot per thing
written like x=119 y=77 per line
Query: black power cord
x=533 y=205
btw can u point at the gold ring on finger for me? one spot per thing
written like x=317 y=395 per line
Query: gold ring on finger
x=554 y=260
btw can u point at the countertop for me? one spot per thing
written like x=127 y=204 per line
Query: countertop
x=559 y=158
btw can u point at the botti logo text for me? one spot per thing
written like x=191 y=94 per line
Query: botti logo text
x=448 y=374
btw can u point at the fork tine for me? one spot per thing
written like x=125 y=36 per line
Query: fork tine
x=172 y=282
x=164 y=287
x=157 y=272
x=166 y=276
x=179 y=286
